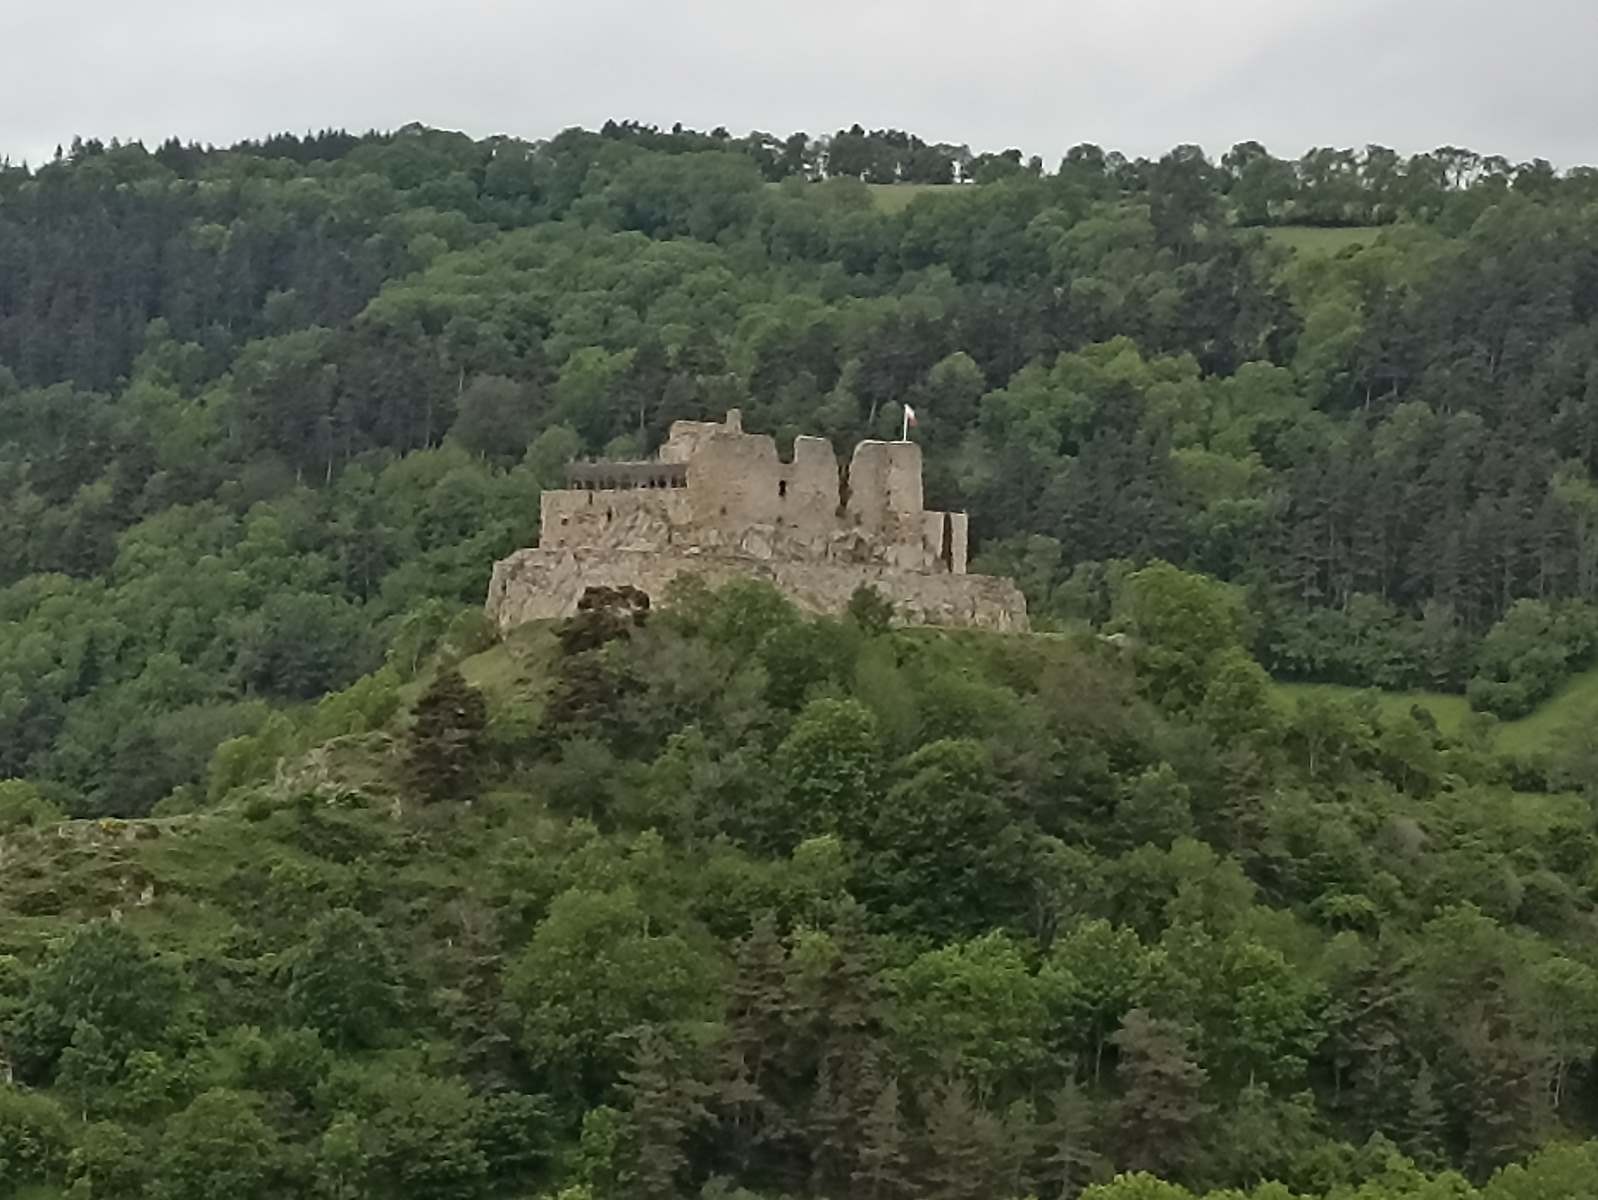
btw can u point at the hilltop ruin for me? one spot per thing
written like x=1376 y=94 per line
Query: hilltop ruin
x=721 y=504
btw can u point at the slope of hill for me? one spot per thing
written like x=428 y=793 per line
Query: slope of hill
x=263 y=408
x=960 y=895
x=740 y=901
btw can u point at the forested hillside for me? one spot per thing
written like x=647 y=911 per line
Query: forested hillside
x=729 y=902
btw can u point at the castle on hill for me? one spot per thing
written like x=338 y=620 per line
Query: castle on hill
x=721 y=504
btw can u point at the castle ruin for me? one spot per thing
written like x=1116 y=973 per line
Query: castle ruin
x=721 y=504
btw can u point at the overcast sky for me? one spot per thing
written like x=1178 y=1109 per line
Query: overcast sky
x=1137 y=75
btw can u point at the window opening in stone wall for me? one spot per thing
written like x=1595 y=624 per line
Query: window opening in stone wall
x=782 y=488
x=947 y=553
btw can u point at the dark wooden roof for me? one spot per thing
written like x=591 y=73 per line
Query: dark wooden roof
x=623 y=475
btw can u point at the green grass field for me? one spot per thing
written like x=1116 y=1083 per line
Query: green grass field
x=896 y=197
x=1577 y=699
x=1316 y=239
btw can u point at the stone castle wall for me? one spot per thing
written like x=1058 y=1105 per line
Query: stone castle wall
x=721 y=503
x=740 y=493
x=543 y=585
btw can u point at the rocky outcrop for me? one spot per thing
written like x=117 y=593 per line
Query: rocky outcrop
x=541 y=585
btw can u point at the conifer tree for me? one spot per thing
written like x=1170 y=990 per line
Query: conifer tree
x=446 y=737
x=1018 y=1141
x=1423 y=1119
x=665 y=1103
x=879 y=1172
x=752 y=1088
x=1161 y=1100
x=963 y=1146
x=1068 y=1138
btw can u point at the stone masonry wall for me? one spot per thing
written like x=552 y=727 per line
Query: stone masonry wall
x=741 y=494
x=545 y=584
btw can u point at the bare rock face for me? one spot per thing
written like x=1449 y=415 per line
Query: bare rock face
x=720 y=504
x=543 y=585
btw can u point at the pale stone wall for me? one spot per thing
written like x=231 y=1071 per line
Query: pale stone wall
x=960 y=538
x=685 y=437
x=639 y=519
x=885 y=504
x=741 y=498
x=539 y=585
x=734 y=482
x=810 y=499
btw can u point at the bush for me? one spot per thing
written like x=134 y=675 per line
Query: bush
x=218 y=1146
x=1530 y=653
x=23 y=807
x=33 y=1138
x=108 y=1163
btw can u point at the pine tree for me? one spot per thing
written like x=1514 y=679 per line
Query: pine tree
x=963 y=1147
x=1423 y=1120
x=446 y=737
x=665 y=1103
x=1068 y=1137
x=753 y=1083
x=879 y=1173
x=830 y=1126
x=1018 y=1141
x=841 y=1008
x=1161 y=1100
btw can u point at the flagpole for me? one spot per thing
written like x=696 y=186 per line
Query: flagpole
x=904 y=433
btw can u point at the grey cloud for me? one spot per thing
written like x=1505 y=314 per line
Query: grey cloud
x=1139 y=75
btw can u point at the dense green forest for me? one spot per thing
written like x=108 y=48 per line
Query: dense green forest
x=311 y=887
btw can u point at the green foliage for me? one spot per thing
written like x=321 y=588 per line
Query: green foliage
x=977 y=1002
x=23 y=807
x=341 y=979
x=218 y=1146
x=829 y=767
x=1530 y=653
x=940 y=852
x=495 y=418
x=596 y=967
x=33 y=1138
x=870 y=610
x=401 y=1134
x=107 y=1162
x=100 y=978
x=1180 y=624
x=769 y=905
x=446 y=737
x=1094 y=976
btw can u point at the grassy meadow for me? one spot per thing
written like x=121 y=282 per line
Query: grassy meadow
x=1577 y=700
x=1318 y=239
